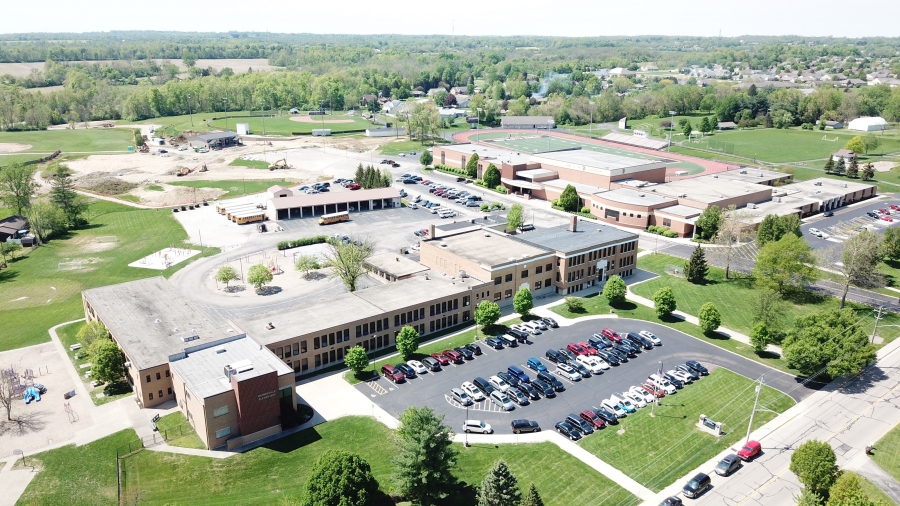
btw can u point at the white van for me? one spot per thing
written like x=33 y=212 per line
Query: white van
x=446 y=213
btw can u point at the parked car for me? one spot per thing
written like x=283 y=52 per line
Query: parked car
x=663 y=383
x=465 y=352
x=579 y=368
x=683 y=376
x=697 y=366
x=608 y=357
x=417 y=366
x=543 y=388
x=687 y=370
x=474 y=348
x=639 y=340
x=566 y=354
x=696 y=486
x=550 y=322
x=518 y=397
x=473 y=391
x=532 y=327
x=518 y=373
x=520 y=336
x=588 y=347
x=535 y=365
x=749 y=450
x=593 y=364
x=599 y=342
x=674 y=380
x=582 y=426
x=576 y=349
x=441 y=358
x=477 y=426
x=624 y=402
x=871 y=214
x=887 y=218
x=413 y=205
x=498 y=383
x=529 y=390
x=613 y=407
x=611 y=334
x=671 y=501
x=651 y=336
x=520 y=426
x=494 y=343
x=568 y=372
x=510 y=380
x=555 y=356
x=461 y=397
x=566 y=429
x=728 y=465
x=502 y=401
x=552 y=380
x=593 y=419
x=637 y=400
x=647 y=396
x=607 y=415
x=407 y=371
x=508 y=340
x=432 y=364
x=454 y=356
x=483 y=385
x=653 y=389
x=392 y=374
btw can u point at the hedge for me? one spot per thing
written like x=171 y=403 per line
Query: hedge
x=663 y=231
x=306 y=241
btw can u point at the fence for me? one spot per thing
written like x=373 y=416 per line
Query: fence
x=126 y=496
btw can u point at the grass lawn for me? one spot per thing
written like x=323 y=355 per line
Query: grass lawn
x=68 y=141
x=233 y=188
x=284 y=126
x=686 y=150
x=67 y=335
x=656 y=451
x=874 y=492
x=791 y=145
x=37 y=296
x=887 y=452
x=887 y=182
x=253 y=164
x=278 y=470
x=183 y=123
x=178 y=432
x=404 y=146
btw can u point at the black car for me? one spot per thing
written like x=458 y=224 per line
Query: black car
x=518 y=397
x=625 y=350
x=870 y=214
x=544 y=388
x=465 y=352
x=696 y=485
x=607 y=415
x=494 y=343
x=431 y=364
x=687 y=370
x=529 y=390
x=623 y=358
x=460 y=179
x=578 y=366
x=671 y=501
x=677 y=383
x=568 y=354
x=550 y=322
x=551 y=380
x=576 y=421
x=407 y=371
x=630 y=346
x=518 y=334
x=728 y=465
x=555 y=356
x=566 y=429
x=474 y=348
x=609 y=357
x=828 y=214
x=639 y=340
x=509 y=378
x=520 y=426
x=697 y=366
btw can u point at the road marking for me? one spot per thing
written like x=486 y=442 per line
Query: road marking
x=380 y=390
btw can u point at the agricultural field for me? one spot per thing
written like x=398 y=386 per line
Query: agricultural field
x=285 y=125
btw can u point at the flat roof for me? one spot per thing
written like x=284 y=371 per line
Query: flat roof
x=490 y=154
x=345 y=308
x=150 y=319
x=634 y=197
x=752 y=175
x=840 y=186
x=708 y=189
x=489 y=248
x=522 y=183
x=532 y=173
x=680 y=210
x=579 y=187
x=203 y=371
x=327 y=198
x=607 y=164
x=215 y=136
x=588 y=234
x=395 y=264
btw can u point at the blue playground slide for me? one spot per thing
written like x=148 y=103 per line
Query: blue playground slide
x=32 y=394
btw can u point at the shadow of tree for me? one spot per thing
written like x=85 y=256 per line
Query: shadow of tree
x=23 y=424
x=7 y=275
x=268 y=290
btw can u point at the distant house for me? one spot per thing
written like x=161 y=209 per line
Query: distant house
x=367 y=99
x=621 y=72
x=831 y=125
x=14 y=227
x=458 y=90
x=434 y=91
x=844 y=154
x=418 y=93
x=726 y=125
x=649 y=68
x=390 y=105
x=462 y=101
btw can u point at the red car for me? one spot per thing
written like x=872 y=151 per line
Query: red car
x=392 y=374
x=895 y=207
x=611 y=334
x=750 y=450
x=426 y=181
x=886 y=218
x=354 y=186
x=441 y=358
x=424 y=231
x=592 y=418
x=884 y=211
x=576 y=349
x=455 y=356
x=590 y=349
x=653 y=389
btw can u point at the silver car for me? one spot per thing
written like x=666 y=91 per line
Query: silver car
x=502 y=401
x=568 y=372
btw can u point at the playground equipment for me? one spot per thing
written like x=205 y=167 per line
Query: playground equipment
x=32 y=394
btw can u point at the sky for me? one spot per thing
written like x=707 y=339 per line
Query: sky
x=521 y=17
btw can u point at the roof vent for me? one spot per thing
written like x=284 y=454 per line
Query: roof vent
x=683 y=195
x=189 y=338
x=715 y=176
x=641 y=195
x=220 y=350
x=157 y=321
x=269 y=326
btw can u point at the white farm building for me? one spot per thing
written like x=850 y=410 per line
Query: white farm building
x=868 y=124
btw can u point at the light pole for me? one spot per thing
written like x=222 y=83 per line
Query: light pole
x=190 y=110
x=671 y=126
x=591 y=126
x=225 y=102
x=467 y=432
x=755 y=403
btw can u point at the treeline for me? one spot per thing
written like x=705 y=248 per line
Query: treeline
x=369 y=177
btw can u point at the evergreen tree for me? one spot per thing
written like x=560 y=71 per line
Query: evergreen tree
x=868 y=172
x=500 y=487
x=853 y=168
x=704 y=124
x=63 y=196
x=829 y=165
x=840 y=166
x=696 y=269
x=472 y=166
x=360 y=175
x=532 y=498
x=568 y=199
x=425 y=458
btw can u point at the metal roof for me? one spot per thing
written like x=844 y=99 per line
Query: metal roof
x=327 y=198
x=215 y=136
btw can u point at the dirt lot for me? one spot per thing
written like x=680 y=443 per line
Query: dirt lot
x=13 y=147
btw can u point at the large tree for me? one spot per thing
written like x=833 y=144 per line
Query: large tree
x=347 y=260
x=847 y=491
x=108 y=361
x=341 y=478
x=356 y=359
x=890 y=244
x=426 y=457
x=44 y=219
x=868 y=172
x=258 y=275
x=17 y=187
x=514 y=218
x=614 y=290
x=500 y=487
x=831 y=341
x=472 y=166
x=775 y=227
x=568 y=199
x=857 y=145
x=664 y=300
x=786 y=263
x=491 y=176
x=407 y=341
x=814 y=463
x=226 y=274
x=709 y=317
x=423 y=121
x=857 y=263
x=523 y=301
x=487 y=313
x=733 y=230
x=695 y=269
x=90 y=332
x=63 y=196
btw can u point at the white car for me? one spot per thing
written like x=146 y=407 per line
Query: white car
x=593 y=364
x=415 y=247
x=417 y=366
x=182 y=148
x=614 y=407
x=652 y=337
x=568 y=372
x=477 y=426
x=637 y=400
x=662 y=383
x=531 y=327
x=683 y=376
x=539 y=323
x=648 y=398
x=473 y=391
x=498 y=383
x=417 y=198
x=434 y=210
x=816 y=232
x=413 y=205
x=623 y=400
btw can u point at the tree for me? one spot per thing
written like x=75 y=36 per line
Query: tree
x=575 y=304
x=491 y=176
x=258 y=275
x=704 y=124
x=847 y=491
x=768 y=308
x=487 y=313
x=90 y=332
x=423 y=121
x=890 y=244
x=786 y=263
x=472 y=166
x=687 y=129
x=532 y=498
x=614 y=290
x=814 y=464
x=664 y=300
x=189 y=59
x=708 y=222
x=709 y=317
x=523 y=302
x=868 y=172
x=407 y=341
x=840 y=166
x=857 y=145
x=8 y=249
x=108 y=361
x=857 y=263
x=514 y=218
x=831 y=341
x=226 y=274
x=500 y=487
x=760 y=337
x=425 y=458
x=347 y=260
x=63 y=196
x=357 y=359
x=695 y=269
x=341 y=478
x=425 y=158
x=307 y=264
x=808 y=498
x=829 y=165
x=8 y=396
x=853 y=168
x=44 y=219
x=732 y=231
x=17 y=187
x=568 y=199
x=775 y=227
x=871 y=142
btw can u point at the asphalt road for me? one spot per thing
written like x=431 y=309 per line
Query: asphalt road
x=432 y=389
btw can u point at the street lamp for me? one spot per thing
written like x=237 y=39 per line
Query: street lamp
x=671 y=125
x=190 y=111
x=225 y=102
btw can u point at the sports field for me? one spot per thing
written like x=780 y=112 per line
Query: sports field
x=287 y=125
x=791 y=145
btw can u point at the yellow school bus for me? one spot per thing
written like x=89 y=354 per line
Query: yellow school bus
x=327 y=219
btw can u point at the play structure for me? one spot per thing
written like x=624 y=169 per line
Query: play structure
x=32 y=394
x=23 y=385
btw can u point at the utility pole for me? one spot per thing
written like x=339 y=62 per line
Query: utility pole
x=656 y=397
x=877 y=319
x=755 y=403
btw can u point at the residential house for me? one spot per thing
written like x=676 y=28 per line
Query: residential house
x=434 y=91
x=844 y=154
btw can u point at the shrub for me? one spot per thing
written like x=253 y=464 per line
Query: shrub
x=306 y=241
x=575 y=304
x=586 y=210
x=501 y=189
x=663 y=231
x=485 y=208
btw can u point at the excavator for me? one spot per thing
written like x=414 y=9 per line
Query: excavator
x=280 y=164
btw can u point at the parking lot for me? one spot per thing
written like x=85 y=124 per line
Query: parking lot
x=432 y=389
x=848 y=222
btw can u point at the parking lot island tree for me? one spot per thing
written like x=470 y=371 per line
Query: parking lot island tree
x=831 y=341
x=407 y=341
x=523 y=301
x=532 y=498
x=500 y=487
x=695 y=269
x=258 y=275
x=784 y=264
x=356 y=359
x=306 y=264
x=664 y=300
x=226 y=274
x=108 y=361
x=425 y=458
x=487 y=313
x=709 y=317
x=814 y=463
x=614 y=290
x=347 y=260
x=425 y=158
x=340 y=478
x=513 y=217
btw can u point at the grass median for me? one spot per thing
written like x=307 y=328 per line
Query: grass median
x=177 y=431
x=655 y=451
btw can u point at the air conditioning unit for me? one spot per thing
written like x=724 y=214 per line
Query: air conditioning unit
x=127 y=365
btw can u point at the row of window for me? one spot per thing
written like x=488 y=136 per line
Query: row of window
x=158 y=377
x=160 y=394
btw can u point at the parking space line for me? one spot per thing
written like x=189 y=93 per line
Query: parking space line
x=380 y=390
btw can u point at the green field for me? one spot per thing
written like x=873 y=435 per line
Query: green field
x=71 y=141
x=284 y=126
x=887 y=452
x=37 y=296
x=655 y=451
x=253 y=164
x=177 y=431
x=234 y=188
x=404 y=146
x=887 y=182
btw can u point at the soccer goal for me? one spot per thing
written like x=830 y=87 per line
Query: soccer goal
x=107 y=238
x=70 y=266
x=825 y=138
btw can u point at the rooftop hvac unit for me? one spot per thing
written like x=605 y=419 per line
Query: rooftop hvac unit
x=715 y=176
x=127 y=365
x=683 y=195
x=776 y=199
x=844 y=185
